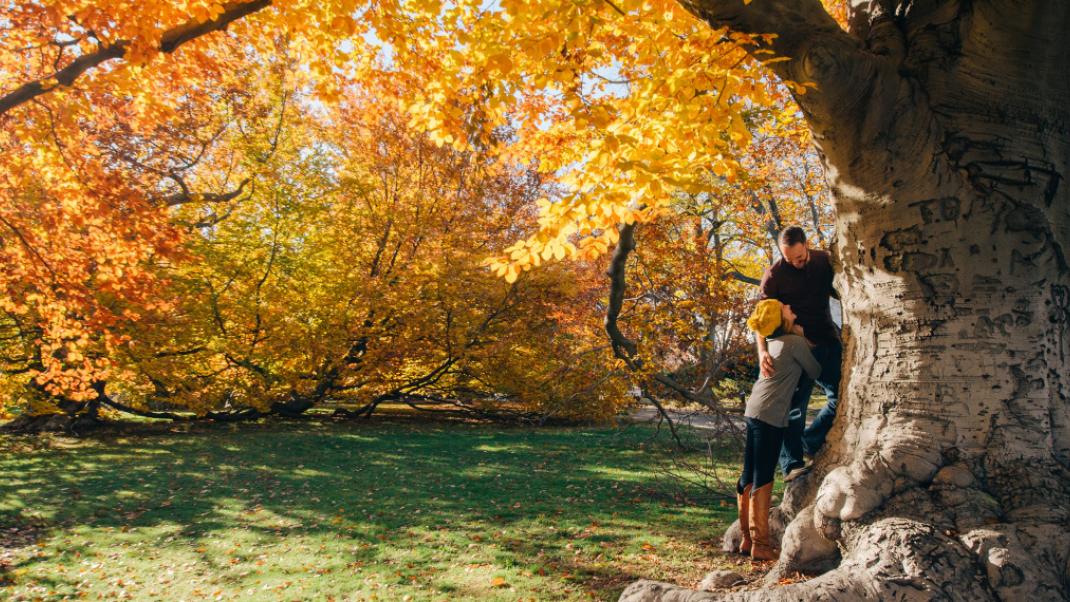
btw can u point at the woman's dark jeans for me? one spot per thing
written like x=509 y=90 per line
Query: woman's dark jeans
x=760 y=453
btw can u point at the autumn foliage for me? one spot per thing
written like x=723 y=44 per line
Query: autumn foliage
x=252 y=207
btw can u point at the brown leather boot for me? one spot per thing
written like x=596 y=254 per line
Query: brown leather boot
x=761 y=545
x=743 y=508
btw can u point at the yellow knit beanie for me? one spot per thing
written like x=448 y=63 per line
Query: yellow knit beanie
x=766 y=317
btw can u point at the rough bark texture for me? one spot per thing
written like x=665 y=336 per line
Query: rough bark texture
x=945 y=129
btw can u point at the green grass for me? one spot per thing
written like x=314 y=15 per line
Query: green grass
x=369 y=511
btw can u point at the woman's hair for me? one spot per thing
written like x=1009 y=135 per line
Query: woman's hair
x=779 y=332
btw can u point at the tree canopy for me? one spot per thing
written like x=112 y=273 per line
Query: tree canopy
x=262 y=205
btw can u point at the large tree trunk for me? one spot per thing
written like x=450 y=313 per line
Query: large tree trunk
x=945 y=128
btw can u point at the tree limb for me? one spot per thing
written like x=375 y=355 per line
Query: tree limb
x=623 y=348
x=30 y=248
x=231 y=416
x=740 y=276
x=845 y=72
x=626 y=349
x=796 y=24
x=204 y=197
x=169 y=42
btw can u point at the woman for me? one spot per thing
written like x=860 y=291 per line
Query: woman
x=767 y=418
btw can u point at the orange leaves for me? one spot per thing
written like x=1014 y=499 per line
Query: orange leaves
x=351 y=212
x=82 y=240
x=96 y=246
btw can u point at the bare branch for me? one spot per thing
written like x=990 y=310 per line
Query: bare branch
x=171 y=40
x=616 y=8
x=203 y=197
x=623 y=348
x=30 y=248
x=736 y=274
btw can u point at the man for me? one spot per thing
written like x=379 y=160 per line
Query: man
x=802 y=278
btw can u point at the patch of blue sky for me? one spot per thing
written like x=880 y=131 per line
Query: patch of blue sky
x=384 y=53
x=606 y=78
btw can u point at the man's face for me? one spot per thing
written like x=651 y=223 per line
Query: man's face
x=797 y=254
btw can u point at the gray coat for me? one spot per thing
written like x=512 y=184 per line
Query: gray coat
x=770 y=399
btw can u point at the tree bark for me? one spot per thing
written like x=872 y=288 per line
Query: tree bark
x=944 y=130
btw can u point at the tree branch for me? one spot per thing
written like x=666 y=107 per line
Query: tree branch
x=845 y=72
x=30 y=248
x=231 y=416
x=169 y=42
x=796 y=24
x=204 y=197
x=623 y=348
x=745 y=279
x=626 y=349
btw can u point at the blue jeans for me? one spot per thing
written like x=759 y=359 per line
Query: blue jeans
x=798 y=438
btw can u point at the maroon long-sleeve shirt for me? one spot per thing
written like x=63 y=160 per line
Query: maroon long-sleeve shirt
x=807 y=291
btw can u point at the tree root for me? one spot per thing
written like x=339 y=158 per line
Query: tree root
x=926 y=527
x=890 y=557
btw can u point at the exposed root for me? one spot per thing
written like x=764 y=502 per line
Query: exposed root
x=898 y=558
x=804 y=548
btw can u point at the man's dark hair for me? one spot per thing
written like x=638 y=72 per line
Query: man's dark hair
x=792 y=235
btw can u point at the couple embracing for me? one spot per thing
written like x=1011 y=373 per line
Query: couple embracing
x=798 y=345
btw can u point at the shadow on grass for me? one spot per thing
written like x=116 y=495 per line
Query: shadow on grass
x=560 y=498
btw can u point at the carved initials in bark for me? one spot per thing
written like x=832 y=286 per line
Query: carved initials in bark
x=945 y=129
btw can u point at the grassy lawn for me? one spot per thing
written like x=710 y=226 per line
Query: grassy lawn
x=398 y=510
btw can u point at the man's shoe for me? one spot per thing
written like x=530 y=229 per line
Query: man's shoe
x=796 y=472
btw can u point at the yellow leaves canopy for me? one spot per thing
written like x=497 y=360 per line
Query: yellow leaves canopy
x=115 y=175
